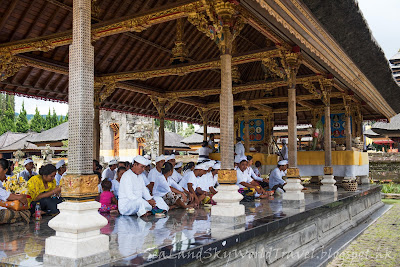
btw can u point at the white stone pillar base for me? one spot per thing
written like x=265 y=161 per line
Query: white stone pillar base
x=293 y=190
x=228 y=204
x=364 y=179
x=328 y=184
x=78 y=241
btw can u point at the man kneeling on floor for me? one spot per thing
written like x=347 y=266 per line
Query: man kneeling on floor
x=276 y=181
x=134 y=198
x=245 y=182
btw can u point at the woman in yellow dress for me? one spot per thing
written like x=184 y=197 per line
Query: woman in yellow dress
x=8 y=215
x=42 y=189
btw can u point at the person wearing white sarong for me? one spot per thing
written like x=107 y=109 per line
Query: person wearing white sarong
x=190 y=182
x=204 y=152
x=239 y=147
x=111 y=172
x=276 y=181
x=155 y=172
x=284 y=151
x=176 y=176
x=134 y=198
x=245 y=181
x=170 y=194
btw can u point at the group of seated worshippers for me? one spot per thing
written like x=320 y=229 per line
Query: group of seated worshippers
x=43 y=190
x=166 y=186
x=251 y=184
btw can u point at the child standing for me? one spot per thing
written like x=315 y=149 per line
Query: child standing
x=107 y=199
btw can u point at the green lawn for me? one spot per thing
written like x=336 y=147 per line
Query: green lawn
x=391 y=201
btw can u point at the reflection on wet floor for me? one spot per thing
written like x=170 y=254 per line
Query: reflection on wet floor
x=134 y=241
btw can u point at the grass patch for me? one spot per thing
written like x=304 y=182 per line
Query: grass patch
x=391 y=188
x=391 y=201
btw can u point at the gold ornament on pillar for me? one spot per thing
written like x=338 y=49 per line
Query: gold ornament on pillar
x=291 y=64
x=221 y=22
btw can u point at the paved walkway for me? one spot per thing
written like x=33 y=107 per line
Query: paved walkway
x=379 y=245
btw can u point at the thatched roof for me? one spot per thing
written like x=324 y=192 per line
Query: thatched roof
x=390 y=129
x=58 y=133
x=210 y=130
x=346 y=23
x=9 y=138
x=173 y=141
x=193 y=139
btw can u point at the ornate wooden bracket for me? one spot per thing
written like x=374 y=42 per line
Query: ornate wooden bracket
x=204 y=114
x=326 y=89
x=179 y=52
x=162 y=104
x=9 y=65
x=103 y=88
x=347 y=105
x=221 y=22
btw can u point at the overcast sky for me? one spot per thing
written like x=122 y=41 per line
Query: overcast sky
x=382 y=16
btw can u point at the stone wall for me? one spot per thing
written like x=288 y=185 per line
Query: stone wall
x=384 y=166
x=296 y=241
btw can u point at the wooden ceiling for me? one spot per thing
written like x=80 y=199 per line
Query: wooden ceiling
x=44 y=74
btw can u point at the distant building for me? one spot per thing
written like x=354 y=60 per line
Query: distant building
x=395 y=62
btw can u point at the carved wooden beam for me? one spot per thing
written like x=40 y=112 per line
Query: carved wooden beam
x=133 y=23
x=184 y=69
x=272 y=100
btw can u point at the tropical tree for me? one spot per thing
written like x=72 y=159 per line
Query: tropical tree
x=47 y=121
x=54 y=119
x=7 y=120
x=22 y=125
x=37 y=122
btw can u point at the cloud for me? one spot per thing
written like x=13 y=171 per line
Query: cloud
x=42 y=105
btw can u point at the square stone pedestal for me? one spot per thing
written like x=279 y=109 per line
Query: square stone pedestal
x=78 y=241
x=293 y=187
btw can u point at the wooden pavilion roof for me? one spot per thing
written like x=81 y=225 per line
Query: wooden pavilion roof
x=133 y=43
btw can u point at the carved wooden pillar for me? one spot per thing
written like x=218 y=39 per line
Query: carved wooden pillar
x=293 y=186
x=79 y=218
x=96 y=123
x=246 y=131
x=348 y=122
x=328 y=181
x=161 y=136
x=162 y=105
x=204 y=116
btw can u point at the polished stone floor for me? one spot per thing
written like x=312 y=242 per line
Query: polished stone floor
x=136 y=241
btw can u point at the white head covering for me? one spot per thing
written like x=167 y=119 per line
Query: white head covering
x=160 y=158
x=147 y=156
x=217 y=166
x=60 y=164
x=243 y=158
x=283 y=162
x=113 y=162
x=201 y=166
x=141 y=160
x=28 y=161
x=237 y=159
x=170 y=157
x=178 y=165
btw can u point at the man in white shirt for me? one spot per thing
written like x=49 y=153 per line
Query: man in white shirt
x=239 y=147
x=190 y=182
x=250 y=172
x=245 y=181
x=175 y=175
x=61 y=168
x=204 y=152
x=115 y=183
x=134 y=198
x=155 y=172
x=284 y=151
x=111 y=172
x=276 y=181
x=28 y=172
